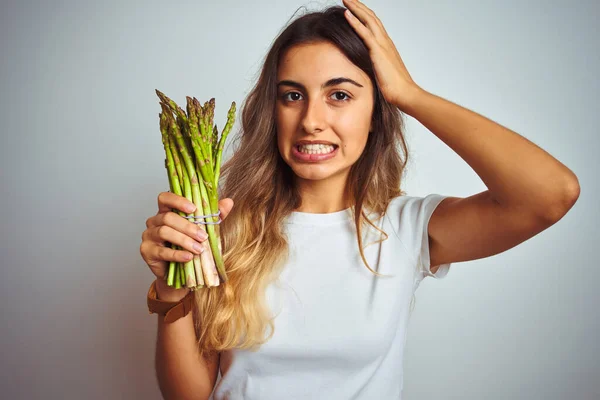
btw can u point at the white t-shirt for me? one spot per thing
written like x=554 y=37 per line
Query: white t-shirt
x=340 y=330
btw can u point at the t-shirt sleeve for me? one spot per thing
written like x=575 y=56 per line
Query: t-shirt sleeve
x=410 y=216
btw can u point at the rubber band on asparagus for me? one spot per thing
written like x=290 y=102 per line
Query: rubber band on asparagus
x=194 y=217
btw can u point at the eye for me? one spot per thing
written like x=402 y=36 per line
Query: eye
x=342 y=98
x=294 y=96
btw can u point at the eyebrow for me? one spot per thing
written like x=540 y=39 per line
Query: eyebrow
x=331 y=82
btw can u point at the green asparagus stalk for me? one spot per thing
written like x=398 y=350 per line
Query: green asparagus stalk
x=215 y=146
x=179 y=127
x=177 y=277
x=194 y=153
x=211 y=275
x=201 y=143
x=208 y=187
x=191 y=170
x=187 y=189
x=208 y=267
x=207 y=113
x=200 y=263
x=228 y=126
x=174 y=181
x=187 y=193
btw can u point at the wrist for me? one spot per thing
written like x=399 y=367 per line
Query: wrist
x=167 y=293
x=410 y=99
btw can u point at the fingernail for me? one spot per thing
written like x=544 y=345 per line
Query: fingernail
x=198 y=247
x=202 y=234
x=190 y=208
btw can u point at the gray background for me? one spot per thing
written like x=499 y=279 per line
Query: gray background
x=81 y=166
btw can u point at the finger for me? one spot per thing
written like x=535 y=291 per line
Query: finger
x=181 y=224
x=362 y=31
x=358 y=4
x=164 y=233
x=225 y=206
x=185 y=226
x=150 y=254
x=158 y=258
x=360 y=11
x=168 y=201
x=150 y=222
x=167 y=254
x=366 y=16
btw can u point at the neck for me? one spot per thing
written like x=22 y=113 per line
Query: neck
x=322 y=196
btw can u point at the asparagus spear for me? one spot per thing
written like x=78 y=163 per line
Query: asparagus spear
x=199 y=149
x=193 y=264
x=211 y=276
x=187 y=193
x=191 y=171
x=198 y=118
x=174 y=181
x=181 y=130
x=203 y=165
x=228 y=126
x=196 y=261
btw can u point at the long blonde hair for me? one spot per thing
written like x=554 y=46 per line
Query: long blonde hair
x=235 y=314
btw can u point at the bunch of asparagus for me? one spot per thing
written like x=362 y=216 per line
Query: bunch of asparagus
x=193 y=162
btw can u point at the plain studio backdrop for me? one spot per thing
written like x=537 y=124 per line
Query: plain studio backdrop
x=82 y=164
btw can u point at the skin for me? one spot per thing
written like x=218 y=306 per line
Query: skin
x=166 y=226
x=340 y=114
x=528 y=189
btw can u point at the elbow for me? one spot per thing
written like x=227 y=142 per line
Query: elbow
x=565 y=201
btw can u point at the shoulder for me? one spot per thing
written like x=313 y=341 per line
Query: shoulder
x=409 y=217
x=408 y=212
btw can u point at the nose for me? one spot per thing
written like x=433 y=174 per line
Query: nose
x=314 y=116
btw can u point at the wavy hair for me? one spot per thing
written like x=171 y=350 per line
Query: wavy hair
x=235 y=314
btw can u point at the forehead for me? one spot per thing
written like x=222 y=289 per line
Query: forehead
x=315 y=63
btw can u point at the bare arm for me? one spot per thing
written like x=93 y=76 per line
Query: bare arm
x=181 y=372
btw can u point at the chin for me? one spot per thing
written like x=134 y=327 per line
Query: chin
x=314 y=172
x=312 y=176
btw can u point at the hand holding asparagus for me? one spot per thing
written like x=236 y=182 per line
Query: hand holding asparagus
x=168 y=226
x=193 y=152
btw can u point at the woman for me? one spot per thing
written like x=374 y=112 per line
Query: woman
x=323 y=250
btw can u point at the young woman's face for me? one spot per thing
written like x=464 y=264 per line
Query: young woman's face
x=325 y=99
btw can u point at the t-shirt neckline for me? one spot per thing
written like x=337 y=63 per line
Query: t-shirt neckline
x=304 y=218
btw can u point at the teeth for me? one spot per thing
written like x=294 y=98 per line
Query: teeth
x=316 y=148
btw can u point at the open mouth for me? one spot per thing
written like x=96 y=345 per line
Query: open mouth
x=316 y=149
x=314 y=153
